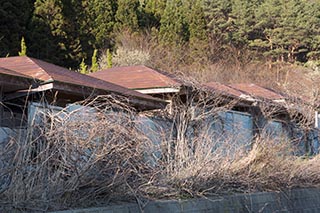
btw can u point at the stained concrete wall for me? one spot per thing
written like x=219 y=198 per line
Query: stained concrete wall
x=300 y=200
x=5 y=134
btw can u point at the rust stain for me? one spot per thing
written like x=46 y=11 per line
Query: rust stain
x=224 y=89
x=137 y=77
x=257 y=91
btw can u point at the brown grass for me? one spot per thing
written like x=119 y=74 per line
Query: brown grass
x=102 y=156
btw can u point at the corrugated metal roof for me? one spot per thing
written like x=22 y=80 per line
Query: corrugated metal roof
x=13 y=81
x=47 y=72
x=137 y=77
x=257 y=91
x=224 y=89
x=249 y=92
x=12 y=73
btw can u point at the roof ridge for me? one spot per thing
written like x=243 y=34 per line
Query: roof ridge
x=163 y=77
x=42 y=69
x=171 y=76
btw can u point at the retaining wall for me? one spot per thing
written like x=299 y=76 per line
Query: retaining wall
x=299 y=200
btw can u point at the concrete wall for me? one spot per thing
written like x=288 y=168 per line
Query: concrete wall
x=301 y=200
x=5 y=134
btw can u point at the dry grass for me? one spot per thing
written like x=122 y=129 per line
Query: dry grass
x=224 y=65
x=103 y=156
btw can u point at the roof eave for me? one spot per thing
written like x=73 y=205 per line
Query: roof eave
x=158 y=90
x=139 y=102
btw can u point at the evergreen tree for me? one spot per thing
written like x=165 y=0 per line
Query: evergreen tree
x=100 y=20
x=174 y=24
x=219 y=24
x=14 y=17
x=197 y=27
x=23 y=51
x=127 y=15
x=43 y=32
x=285 y=29
x=242 y=21
x=72 y=34
x=66 y=31
x=150 y=13
x=55 y=32
x=313 y=40
x=155 y=7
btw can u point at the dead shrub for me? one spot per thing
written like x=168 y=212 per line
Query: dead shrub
x=96 y=152
x=81 y=158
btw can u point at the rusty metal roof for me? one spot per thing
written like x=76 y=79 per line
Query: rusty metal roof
x=257 y=91
x=137 y=77
x=224 y=89
x=12 y=73
x=249 y=92
x=13 y=81
x=47 y=72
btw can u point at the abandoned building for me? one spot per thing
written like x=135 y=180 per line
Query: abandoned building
x=29 y=85
x=261 y=112
x=257 y=111
x=253 y=111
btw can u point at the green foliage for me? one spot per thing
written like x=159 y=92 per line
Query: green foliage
x=242 y=21
x=286 y=29
x=14 y=17
x=218 y=19
x=54 y=31
x=174 y=26
x=100 y=21
x=66 y=31
x=150 y=12
x=198 y=34
x=23 y=51
x=94 y=61
x=83 y=67
x=155 y=7
x=109 y=59
x=127 y=15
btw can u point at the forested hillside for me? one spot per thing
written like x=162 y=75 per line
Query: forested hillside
x=164 y=33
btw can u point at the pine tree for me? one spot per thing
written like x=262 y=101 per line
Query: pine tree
x=14 y=17
x=174 y=26
x=156 y=7
x=197 y=26
x=219 y=26
x=285 y=29
x=99 y=22
x=268 y=16
x=23 y=51
x=313 y=40
x=94 y=61
x=47 y=32
x=55 y=32
x=43 y=42
x=243 y=21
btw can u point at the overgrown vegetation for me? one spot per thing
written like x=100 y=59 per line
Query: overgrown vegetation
x=110 y=154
